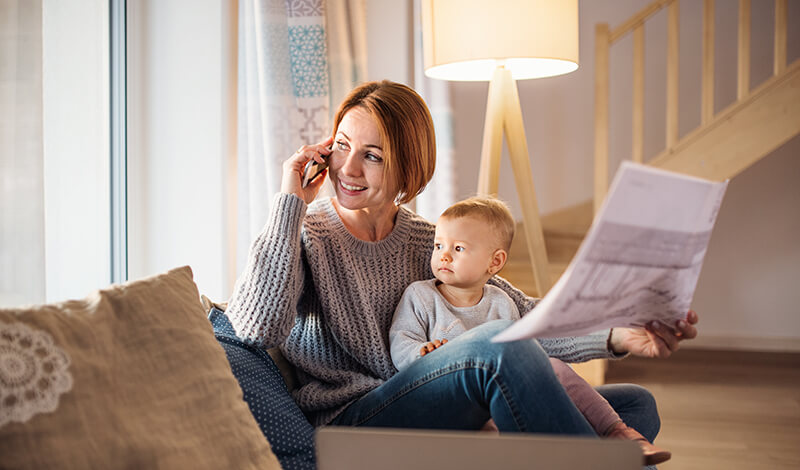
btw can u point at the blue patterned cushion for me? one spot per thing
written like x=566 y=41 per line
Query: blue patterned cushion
x=283 y=424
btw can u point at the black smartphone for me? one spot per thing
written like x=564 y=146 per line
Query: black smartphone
x=313 y=169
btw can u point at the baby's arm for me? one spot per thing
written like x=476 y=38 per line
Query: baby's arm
x=408 y=335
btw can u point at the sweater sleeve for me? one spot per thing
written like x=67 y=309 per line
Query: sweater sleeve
x=262 y=308
x=568 y=349
x=409 y=330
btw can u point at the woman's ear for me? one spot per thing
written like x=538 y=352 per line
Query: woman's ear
x=499 y=258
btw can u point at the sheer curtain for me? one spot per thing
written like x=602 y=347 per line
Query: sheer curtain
x=22 y=265
x=296 y=57
x=441 y=191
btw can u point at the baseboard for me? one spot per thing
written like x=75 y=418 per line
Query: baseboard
x=744 y=343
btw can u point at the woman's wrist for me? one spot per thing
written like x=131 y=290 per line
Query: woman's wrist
x=613 y=343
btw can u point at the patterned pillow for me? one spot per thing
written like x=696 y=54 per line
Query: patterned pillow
x=130 y=376
x=281 y=421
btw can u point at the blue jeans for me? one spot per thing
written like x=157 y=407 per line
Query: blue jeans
x=471 y=379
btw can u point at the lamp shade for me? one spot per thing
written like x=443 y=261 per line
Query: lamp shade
x=467 y=40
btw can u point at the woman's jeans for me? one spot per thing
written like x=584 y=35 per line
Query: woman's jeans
x=464 y=383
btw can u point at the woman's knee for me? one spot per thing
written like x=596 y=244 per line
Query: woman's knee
x=646 y=403
x=635 y=405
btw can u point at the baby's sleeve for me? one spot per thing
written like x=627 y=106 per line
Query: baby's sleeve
x=409 y=330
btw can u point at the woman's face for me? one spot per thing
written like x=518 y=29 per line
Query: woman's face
x=356 y=164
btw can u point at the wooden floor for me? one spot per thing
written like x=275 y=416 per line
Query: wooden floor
x=720 y=409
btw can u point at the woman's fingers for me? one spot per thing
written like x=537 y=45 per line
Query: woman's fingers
x=671 y=338
x=314 y=151
x=664 y=339
x=318 y=151
x=658 y=348
x=685 y=328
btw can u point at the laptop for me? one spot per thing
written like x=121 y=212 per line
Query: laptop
x=349 y=448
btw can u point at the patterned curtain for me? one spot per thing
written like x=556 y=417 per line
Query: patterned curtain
x=285 y=82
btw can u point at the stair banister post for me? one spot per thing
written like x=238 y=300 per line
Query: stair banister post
x=601 y=79
x=780 y=37
x=707 y=97
x=673 y=73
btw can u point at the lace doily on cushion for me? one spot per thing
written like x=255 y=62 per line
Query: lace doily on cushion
x=33 y=373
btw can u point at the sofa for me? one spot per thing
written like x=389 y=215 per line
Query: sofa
x=142 y=375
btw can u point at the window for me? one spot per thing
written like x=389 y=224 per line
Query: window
x=55 y=216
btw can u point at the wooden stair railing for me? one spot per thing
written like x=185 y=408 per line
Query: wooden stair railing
x=695 y=153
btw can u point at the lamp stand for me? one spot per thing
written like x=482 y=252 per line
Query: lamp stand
x=504 y=115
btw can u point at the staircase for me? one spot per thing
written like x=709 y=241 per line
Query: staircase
x=724 y=145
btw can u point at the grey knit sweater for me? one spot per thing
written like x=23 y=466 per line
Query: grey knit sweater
x=327 y=299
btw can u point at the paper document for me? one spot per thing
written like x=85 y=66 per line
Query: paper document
x=639 y=262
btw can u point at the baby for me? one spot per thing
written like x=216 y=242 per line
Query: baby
x=470 y=246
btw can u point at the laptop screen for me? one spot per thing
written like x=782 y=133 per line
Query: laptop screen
x=348 y=448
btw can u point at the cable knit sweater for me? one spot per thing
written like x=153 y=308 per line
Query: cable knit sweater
x=327 y=298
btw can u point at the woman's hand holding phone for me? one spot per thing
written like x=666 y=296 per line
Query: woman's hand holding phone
x=294 y=170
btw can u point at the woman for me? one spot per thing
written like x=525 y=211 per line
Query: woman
x=323 y=280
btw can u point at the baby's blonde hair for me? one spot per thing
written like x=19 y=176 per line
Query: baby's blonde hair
x=492 y=210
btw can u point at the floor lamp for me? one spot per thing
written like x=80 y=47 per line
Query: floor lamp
x=501 y=42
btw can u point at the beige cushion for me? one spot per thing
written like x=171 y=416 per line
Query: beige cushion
x=129 y=377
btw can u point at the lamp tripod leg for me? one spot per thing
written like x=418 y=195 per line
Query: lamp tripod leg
x=492 y=137
x=504 y=115
x=523 y=177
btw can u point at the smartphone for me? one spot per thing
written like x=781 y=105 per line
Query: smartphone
x=313 y=169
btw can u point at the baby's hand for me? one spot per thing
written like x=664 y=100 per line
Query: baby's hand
x=428 y=347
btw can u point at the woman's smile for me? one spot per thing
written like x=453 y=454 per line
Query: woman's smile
x=351 y=187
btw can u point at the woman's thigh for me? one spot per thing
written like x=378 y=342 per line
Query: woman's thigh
x=467 y=381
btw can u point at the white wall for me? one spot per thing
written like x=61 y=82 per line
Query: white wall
x=748 y=291
x=389 y=42
x=744 y=294
x=179 y=110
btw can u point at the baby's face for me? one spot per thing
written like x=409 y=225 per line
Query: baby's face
x=463 y=248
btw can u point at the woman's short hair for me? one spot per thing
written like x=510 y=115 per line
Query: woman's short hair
x=406 y=130
x=492 y=211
